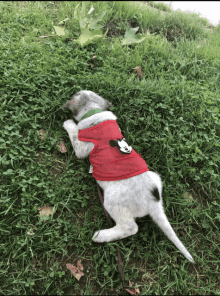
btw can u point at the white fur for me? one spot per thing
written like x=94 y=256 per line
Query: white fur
x=126 y=199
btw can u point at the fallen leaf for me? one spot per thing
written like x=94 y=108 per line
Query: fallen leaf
x=131 y=38
x=136 y=290
x=45 y=212
x=138 y=72
x=131 y=292
x=34 y=262
x=91 y=64
x=42 y=133
x=93 y=22
x=30 y=233
x=61 y=146
x=89 y=24
x=88 y=36
x=76 y=271
x=188 y=196
x=79 y=265
x=59 y=30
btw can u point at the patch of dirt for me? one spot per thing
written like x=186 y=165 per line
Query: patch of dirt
x=58 y=164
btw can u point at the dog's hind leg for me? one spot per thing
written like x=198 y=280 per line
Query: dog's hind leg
x=125 y=225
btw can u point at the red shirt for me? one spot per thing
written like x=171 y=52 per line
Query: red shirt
x=111 y=163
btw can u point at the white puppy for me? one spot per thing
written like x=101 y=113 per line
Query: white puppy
x=134 y=192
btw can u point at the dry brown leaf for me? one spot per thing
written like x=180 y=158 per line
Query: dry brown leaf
x=79 y=265
x=61 y=146
x=34 y=262
x=138 y=72
x=30 y=233
x=131 y=292
x=46 y=211
x=76 y=271
x=42 y=133
x=136 y=290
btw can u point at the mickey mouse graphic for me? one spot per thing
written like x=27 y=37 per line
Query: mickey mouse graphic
x=122 y=145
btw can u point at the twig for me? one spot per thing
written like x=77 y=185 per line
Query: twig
x=46 y=36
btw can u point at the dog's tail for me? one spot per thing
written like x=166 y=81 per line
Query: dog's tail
x=156 y=211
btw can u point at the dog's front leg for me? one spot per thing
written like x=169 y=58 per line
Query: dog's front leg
x=81 y=148
x=72 y=131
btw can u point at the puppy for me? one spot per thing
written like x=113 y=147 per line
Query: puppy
x=130 y=189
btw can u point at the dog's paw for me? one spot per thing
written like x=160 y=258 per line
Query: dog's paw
x=96 y=237
x=100 y=237
x=106 y=235
x=69 y=125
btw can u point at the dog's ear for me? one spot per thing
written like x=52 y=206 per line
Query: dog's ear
x=113 y=143
x=67 y=105
x=109 y=105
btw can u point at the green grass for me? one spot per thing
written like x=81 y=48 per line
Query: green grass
x=171 y=117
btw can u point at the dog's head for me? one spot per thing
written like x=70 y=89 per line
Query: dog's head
x=86 y=100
